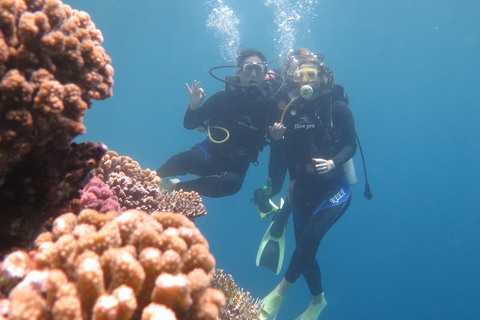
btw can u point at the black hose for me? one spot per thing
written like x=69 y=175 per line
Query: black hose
x=367 y=193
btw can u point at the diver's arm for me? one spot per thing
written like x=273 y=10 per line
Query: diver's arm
x=277 y=165
x=339 y=94
x=195 y=118
x=343 y=117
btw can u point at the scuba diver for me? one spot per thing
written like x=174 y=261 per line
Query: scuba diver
x=236 y=122
x=319 y=137
x=272 y=247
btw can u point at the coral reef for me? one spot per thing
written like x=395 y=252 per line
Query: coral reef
x=51 y=66
x=109 y=266
x=96 y=195
x=40 y=186
x=114 y=263
x=138 y=189
x=240 y=305
x=113 y=163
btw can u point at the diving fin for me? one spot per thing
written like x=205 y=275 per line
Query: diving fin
x=168 y=184
x=272 y=248
x=272 y=208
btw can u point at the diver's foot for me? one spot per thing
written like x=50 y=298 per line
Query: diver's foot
x=168 y=184
x=270 y=305
x=313 y=311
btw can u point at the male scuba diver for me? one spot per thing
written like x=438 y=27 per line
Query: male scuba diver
x=236 y=123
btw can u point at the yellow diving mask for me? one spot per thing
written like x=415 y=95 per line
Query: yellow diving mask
x=306 y=75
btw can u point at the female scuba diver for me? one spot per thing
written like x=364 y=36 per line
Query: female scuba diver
x=319 y=138
x=236 y=122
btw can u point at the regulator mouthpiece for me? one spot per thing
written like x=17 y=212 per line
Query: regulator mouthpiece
x=253 y=91
x=306 y=92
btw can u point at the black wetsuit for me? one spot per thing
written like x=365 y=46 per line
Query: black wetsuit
x=316 y=129
x=277 y=164
x=222 y=166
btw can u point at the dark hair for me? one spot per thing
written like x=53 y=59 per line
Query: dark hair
x=247 y=53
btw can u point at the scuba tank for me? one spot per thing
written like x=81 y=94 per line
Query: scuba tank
x=350 y=172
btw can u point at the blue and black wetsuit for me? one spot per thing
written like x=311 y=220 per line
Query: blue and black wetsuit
x=325 y=129
x=221 y=166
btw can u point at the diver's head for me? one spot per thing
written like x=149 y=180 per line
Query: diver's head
x=251 y=70
x=306 y=74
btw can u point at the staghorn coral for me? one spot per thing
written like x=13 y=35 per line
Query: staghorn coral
x=115 y=271
x=40 y=186
x=240 y=305
x=51 y=66
x=138 y=189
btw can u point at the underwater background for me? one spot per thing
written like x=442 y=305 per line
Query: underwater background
x=411 y=71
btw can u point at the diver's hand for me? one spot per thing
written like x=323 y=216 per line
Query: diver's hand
x=196 y=95
x=289 y=190
x=277 y=130
x=323 y=166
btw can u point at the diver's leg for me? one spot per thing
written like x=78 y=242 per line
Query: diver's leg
x=214 y=186
x=180 y=164
x=308 y=241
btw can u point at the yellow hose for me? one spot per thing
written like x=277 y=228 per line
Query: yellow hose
x=216 y=141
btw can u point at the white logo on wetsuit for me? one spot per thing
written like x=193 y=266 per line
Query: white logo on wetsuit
x=247 y=122
x=304 y=124
x=338 y=196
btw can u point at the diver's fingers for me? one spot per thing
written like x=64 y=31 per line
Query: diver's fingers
x=188 y=88
x=196 y=85
x=202 y=93
x=319 y=160
x=278 y=125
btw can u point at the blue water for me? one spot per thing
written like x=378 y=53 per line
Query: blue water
x=411 y=70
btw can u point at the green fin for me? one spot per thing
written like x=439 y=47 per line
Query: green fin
x=271 y=251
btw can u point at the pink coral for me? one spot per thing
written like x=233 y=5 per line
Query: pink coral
x=97 y=195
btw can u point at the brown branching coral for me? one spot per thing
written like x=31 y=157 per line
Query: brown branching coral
x=138 y=189
x=113 y=163
x=51 y=66
x=109 y=266
x=240 y=304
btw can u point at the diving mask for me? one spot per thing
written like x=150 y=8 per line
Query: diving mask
x=254 y=69
x=306 y=75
